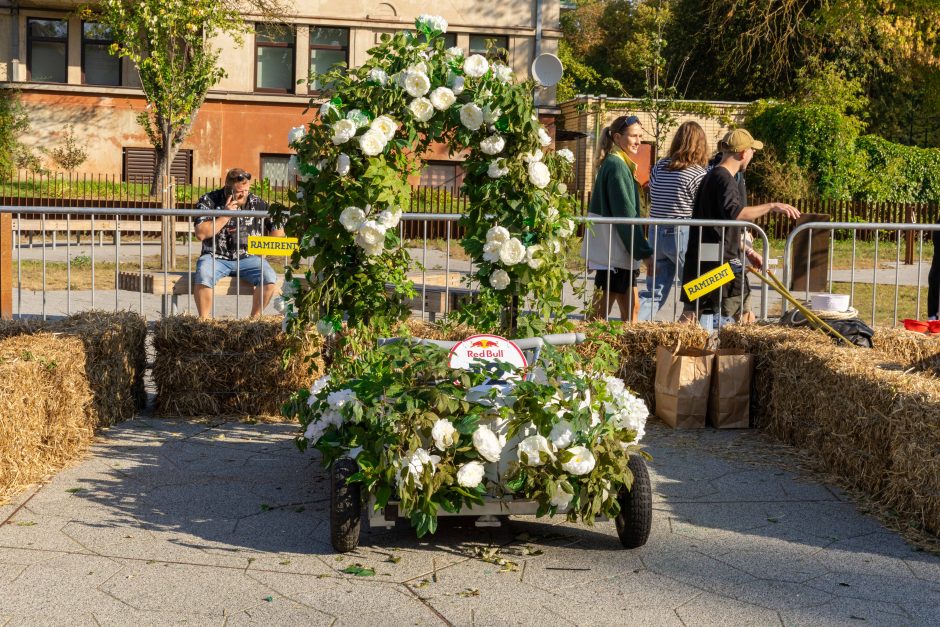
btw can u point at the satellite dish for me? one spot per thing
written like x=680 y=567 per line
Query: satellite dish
x=547 y=70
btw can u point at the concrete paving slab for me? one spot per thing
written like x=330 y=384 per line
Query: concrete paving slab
x=53 y=586
x=710 y=609
x=846 y=611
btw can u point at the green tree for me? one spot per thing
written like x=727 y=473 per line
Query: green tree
x=170 y=44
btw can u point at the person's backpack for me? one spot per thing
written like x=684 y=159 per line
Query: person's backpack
x=853 y=329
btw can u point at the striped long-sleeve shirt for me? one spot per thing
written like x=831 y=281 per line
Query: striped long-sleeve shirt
x=672 y=192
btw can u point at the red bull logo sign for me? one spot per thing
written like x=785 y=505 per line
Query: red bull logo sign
x=486 y=348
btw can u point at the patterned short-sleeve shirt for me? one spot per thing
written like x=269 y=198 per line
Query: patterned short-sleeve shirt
x=232 y=241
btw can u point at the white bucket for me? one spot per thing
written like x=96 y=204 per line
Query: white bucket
x=830 y=302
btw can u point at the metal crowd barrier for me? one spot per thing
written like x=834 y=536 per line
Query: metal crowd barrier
x=892 y=231
x=442 y=275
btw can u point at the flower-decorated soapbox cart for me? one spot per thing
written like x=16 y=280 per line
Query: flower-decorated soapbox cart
x=521 y=431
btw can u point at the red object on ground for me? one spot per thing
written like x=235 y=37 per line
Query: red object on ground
x=915 y=325
x=934 y=326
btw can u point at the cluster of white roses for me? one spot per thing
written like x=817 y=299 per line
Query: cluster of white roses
x=432 y=22
x=502 y=248
x=625 y=410
x=369 y=227
x=380 y=131
x=329 y=413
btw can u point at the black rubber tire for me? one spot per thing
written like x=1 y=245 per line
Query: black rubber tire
x=636 y=507
x=345 y=506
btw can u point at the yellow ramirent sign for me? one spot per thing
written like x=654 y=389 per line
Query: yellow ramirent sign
x=277 y=246
x=709 y=281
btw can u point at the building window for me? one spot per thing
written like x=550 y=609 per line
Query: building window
x=279 y=170
x=274 y=58
x=99 y=66
x=446 y=175
x=450 y=39
x=493 y=47
x=47 y=50
x=328 y=47
x=140 y=165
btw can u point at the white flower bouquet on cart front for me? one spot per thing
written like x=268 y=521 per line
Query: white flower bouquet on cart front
x=433 y=438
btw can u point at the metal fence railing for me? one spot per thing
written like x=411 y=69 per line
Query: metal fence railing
x=130 y=269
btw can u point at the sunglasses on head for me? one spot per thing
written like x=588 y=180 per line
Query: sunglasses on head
x=242 y=177
x=630 y=120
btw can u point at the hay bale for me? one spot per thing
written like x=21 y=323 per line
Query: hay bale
x=762 y=340
x=913 y=350
x=115 y=350
x=224 y=367
x=637 y=343
x=46 y=414
x=878 y=429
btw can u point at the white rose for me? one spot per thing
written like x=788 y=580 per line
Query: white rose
x=433 y=22
x=491 y=251
x=444 y=434
x=371 y=236
x=562 y=434
x=443 y=98
x=497 y=169
x=360 y=119
x=389 y=218
x=422 y=109
x=530 y=256
x=378 y=75
x=532 y=157
x=475 y=66
x=321 y=383
x=490 y=115
x=497 y=234
x=417 y=84
x=352 y=218
x=372 y=143
x=457 y=84
x=544 y=138
x=296 y=134
x=328 y=107
x=385 y=125
x=502 y=72
x=414 y=464
x=499 y=280
x=539 y=175
x=471 y=116
x=340 y=398
x=493 y=145
x=487 y=444
x=342 y=164
x=512 y=252
x=565 y=154
x=530 y=450
x=343 y=131
x=454 y=53
x=582 y=461
x=470 y=474
x=567 y=228
x=420 y=67
x=562 y=188
x=562 y=499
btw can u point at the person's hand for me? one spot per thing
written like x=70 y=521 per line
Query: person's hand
x=754 y=258
x=788 y=210
x=231 y=203
x=648 y=264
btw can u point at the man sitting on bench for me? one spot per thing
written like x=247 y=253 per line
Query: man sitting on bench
x=229 y=255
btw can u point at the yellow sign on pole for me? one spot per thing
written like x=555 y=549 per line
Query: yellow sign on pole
x=709 y=281
x=276 y=246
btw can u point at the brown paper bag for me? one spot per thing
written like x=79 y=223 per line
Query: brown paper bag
x=683 y=377
x=729 y=401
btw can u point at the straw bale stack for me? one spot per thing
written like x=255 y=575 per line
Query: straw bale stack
x=115 y=350
x=877 y=428
x=46 y=413
x=224 y=367
x=637 y=344
x=912 y=350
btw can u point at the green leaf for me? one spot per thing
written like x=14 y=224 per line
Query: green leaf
x=359 y=571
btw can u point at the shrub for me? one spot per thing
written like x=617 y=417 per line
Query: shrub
x=899 y=173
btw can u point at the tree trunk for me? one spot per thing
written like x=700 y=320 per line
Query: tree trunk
x=164 y=186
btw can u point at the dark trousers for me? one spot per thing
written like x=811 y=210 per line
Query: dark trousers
x=933 y=279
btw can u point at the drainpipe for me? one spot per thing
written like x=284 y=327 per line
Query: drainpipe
x=538 y=27
x=14 y=10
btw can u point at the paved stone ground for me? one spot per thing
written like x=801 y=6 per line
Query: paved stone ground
x=171 y=522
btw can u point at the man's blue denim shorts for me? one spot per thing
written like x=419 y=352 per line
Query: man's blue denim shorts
x=250 y=268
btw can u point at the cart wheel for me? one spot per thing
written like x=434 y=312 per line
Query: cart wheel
x=636 y=507
x=345 y=506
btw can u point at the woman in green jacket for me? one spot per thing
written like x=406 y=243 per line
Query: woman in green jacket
x=616 y=194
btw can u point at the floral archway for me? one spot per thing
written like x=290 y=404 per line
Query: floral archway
x=355 y=158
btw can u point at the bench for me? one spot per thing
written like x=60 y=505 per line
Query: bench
x=77 y=227
x=437 y=299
